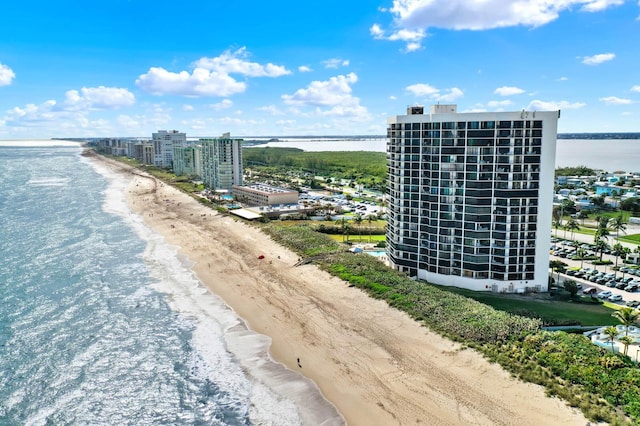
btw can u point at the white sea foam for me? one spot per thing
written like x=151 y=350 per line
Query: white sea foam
x=49 y=181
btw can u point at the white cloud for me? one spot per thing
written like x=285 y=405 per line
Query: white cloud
x=499 y=104
x=599 y=5
x=98 y=98
x=70 y=117
x=304 y=68
x=210 y=76
x=73 y=112
x=235 y=63
x=421 y=89
x=329 y=92
x=335 y=63
x=201 y=82
x=223 y=104
x=613 y=100
x=271 y=109
x=127 y=122
x=392 y=98
x=427 y=91
x=412 y=47
x=418 y=15
x=635 y=88
x=453 y=94
x=334 y=93
x=6 y=75
x=486 y=14
x=508 y=91
x=563 y=79
x=187 y=107
x=598 y=59
x=376 y=31
x=412 y=38
x=52 y=120
x=538 y=105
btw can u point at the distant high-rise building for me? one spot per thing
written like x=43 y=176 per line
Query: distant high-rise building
x=221 y=162
x=185 y=159
x=470 y=197
x=141 y=151
x=163 y=146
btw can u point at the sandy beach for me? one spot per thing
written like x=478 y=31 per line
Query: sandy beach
x=374 y=363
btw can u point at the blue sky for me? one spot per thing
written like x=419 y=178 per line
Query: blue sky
x=130 y=67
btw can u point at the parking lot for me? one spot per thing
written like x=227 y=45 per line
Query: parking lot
x=620 y=287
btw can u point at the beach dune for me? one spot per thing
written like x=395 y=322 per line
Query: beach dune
x=374 y=363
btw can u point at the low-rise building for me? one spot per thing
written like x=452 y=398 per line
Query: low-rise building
x=264 y=195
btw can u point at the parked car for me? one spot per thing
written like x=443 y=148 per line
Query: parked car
x=590 y=290
x=615 y=298
x=604 y=294
x=631 y=287
x=633 y=303
x=571 y=272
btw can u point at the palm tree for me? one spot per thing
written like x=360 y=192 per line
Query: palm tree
x=601 y=246
x=582 y=215
x=611 y=333
x=617 y=250
x=345 y=227
x=626 y=341
x=357 y=218
x=571 y=225
x=370 y=218
x=627 y=316
x=603 y=221
x=557 y=266
x=618 y=224
x=601 y=232
x=581 y=253
x=556 y=213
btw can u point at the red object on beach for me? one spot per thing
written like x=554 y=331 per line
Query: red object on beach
x=261 y=256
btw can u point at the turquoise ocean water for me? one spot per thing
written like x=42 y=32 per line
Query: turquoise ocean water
x=102 y=323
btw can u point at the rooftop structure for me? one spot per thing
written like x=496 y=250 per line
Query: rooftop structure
x=264 y=195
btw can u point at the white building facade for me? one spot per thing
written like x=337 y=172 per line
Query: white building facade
x=221 y=160
x=470 y=197
x=163 y=146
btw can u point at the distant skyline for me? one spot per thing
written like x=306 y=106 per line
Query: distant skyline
x=130 y=67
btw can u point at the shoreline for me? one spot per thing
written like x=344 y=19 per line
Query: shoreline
x=374 y=363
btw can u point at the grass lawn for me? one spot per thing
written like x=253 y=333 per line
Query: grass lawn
x=633 y=238
x=559 y=311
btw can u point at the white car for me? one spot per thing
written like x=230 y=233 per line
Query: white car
x=604 y=294
x=615 y=298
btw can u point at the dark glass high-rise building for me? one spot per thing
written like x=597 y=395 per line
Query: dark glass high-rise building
x=470 y=197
